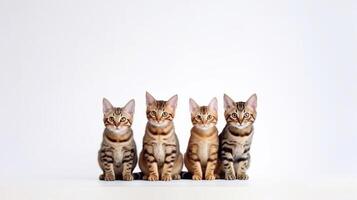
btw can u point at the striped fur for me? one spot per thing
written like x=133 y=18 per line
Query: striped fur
x=202 y=150
x=117 y=156
x=236 y=138
x=160 y=158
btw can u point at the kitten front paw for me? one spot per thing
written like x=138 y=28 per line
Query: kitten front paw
x=217 y=176
x=101 y=177
x=229 y=176
x=196 y=177
x=109 y=177
x=210 y=177
x=153 y=177
x=166 y=177
x=128 y=177
x=176 y=177
x=243 y=176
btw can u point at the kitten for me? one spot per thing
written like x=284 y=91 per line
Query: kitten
x=161 y=157
x=202 y=150
x=117 y=155
x=236 y=137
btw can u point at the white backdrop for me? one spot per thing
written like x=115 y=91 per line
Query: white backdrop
x=59 y=58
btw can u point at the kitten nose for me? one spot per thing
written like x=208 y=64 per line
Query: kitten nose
x=240 y=122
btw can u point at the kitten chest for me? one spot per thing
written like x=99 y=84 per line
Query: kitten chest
x=118 y=155
x=159 y=152
x=241 y=144
x=203 y=151
x=238 y=149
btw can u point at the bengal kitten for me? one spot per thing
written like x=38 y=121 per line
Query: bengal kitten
x=117 y=155
x=236 y=137
x=202 y=150
x=160 y=158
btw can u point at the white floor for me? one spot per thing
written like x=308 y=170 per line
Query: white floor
x=184 y=189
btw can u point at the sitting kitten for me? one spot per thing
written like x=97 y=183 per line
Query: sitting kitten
x=202 y=150
x=117 y=155
x=236 y=137
x=161 y=157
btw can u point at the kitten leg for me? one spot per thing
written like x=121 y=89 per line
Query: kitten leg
x=128 y=160
x=242 y=167
x=227 y=161
x=211 y=163
x=170 y=157
x=151 y=163
x=194 y=163
x=176 y=172
x=106 y=161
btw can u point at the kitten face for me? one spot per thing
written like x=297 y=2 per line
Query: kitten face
x=240 y=114
x=117 y=119
x=204 y=117
x=158 y=112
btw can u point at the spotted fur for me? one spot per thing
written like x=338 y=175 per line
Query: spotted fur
x=117 y=155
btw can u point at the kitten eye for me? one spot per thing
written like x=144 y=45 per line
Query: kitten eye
x=246 y=115
x=234 y=115
x=198 y=117
x=152 y=113
x=111 y=119
x=164 y=114
x=209 y=117
x=123 y=119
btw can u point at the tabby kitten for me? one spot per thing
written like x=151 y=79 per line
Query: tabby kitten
x=236 y=137
x=202 y=150
x=117 y=155
x=160 y=158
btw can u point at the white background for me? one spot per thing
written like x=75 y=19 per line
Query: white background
x=59 y=58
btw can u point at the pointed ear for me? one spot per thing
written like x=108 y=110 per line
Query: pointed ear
x=213 y=104
x=130 y=107
x=149 y=99
x=173 y=101
x=252 y=101
x=107 y=106
x=228 y=102
x=193 y=106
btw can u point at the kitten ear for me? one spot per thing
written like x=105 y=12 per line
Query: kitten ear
x=149 y=99
x=213 y=104
x=252 y=101
x=193 y=106
x=107 y=106
x=173 y=101
x=130 y=107
x=228 y=102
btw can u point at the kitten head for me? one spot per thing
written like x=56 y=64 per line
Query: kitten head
x=204 y=117
x=158 y=112
x=240 y=114
x=118 y=119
